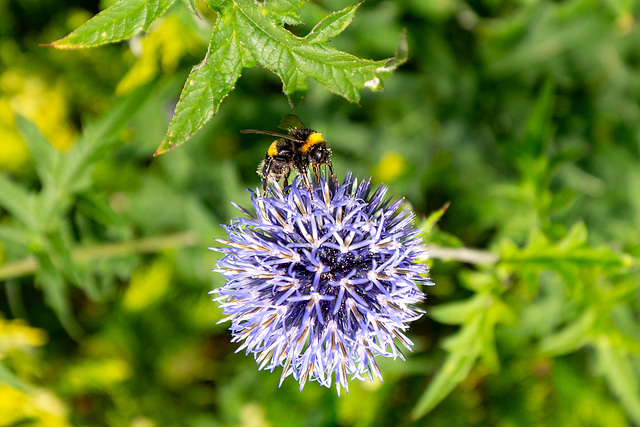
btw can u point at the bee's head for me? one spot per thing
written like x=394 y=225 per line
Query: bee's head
x=319 y=154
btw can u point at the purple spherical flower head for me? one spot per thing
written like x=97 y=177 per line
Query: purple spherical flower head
x=322 y=285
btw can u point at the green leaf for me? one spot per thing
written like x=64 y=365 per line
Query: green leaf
x=465 y=350
x=58 y=251
x=44 y=155
x=428 y=224
x=191 y=6
x=8 y=377
x=18 y=202
x=247 y=32
x=457 y=313
x=206 y=86
x=621 y=377
x=284 y=10
x=569 y=257
x=15 y=235
x=97 y=207
x=97 y=139
x=332 y=25
x=538 y=128
x=122 y=20
x=575 y=237
x=57 y=296
x=283 y=6
x=571 y=338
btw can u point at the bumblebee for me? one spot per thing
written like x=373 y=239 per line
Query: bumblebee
x=301 y=149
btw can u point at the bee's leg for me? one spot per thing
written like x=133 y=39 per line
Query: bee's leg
x=305 y=178
x=330 y=166
x=263 y=171
x=286 y=179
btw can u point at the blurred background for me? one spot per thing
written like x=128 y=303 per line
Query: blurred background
x=524 y=115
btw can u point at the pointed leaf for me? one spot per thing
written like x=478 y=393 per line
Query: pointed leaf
x=97 y=207
x=44 y=155
x=456 y=368
x=14 y=234
x=120 y=21
x=18 y=202
x=571 y=338
x=97 y=139
x=57 y=296
x=206 y=86
x=191 y=6
x=332 y=25
x=457 y=313
x=428 y=224
x=8 y=377
x=538 y=128
x=283 y=6
x=290 y=56
x=621 y=377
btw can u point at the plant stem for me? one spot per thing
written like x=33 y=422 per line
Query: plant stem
x=471 y=256
x=30 y=265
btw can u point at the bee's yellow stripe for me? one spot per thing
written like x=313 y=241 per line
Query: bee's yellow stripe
x=312 y=140
x=273 y=149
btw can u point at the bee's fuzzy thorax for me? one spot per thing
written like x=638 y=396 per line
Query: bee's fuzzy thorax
x=313 y=139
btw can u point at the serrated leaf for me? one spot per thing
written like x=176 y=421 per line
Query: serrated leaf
x=120 y=21
x=206 y=86
x=291 y=18
x=400 y=57
x=567 y=256
x=283 y=6
x=217 y=5
x=289 y=56
x=332 y=25
x=247 y=32
x=191 y=6
x=285 y=10
x=44 y=155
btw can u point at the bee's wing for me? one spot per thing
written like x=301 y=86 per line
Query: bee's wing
x=266 y=132
x=290 y=121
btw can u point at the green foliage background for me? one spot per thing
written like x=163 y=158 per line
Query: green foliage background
x=524 y=116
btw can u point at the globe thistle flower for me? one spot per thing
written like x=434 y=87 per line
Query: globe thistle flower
x=321 y=282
